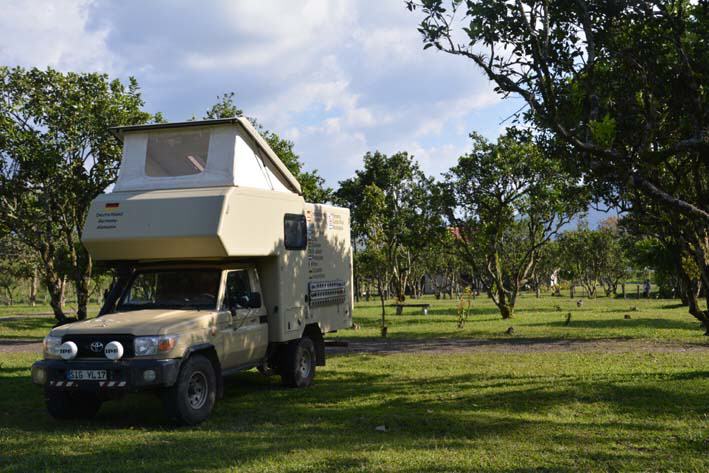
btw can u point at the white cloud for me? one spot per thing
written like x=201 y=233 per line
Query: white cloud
x=56 y=34
x=338 y=77
x=273 y=32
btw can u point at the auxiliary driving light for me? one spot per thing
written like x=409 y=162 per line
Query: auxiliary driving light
x=149 y=375
x=68 y=350
x=39 y=376
x=113 y=350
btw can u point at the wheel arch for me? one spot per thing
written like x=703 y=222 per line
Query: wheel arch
x=209 y=351
x=313 y=332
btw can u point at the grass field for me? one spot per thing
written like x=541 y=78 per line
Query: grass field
x=601 y=318
x=501 y=412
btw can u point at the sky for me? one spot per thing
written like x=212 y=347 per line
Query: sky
x=337 y=77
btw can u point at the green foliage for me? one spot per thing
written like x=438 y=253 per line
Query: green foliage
x=507 y=200
x=392 y=211
x=224 y=108
x=603 y=131
x=618 y=87
x=617 y=92
x=17 y=262
x=56 y=155
x=589 y=257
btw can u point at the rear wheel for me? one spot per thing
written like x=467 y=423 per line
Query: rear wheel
x=191 y=399
x=298 y=364
x=71 y=405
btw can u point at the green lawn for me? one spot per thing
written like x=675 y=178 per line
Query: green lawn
x=601 y=318
x=27 y=322
x=475 y=411
x=564 y=412
x=661 y=320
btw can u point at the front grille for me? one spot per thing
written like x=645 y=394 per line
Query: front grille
x=84 y=342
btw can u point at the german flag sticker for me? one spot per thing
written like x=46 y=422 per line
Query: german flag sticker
x=112 y=205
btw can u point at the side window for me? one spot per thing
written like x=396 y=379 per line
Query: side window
x=238 y=286
x=295 y=232
x=176 y=154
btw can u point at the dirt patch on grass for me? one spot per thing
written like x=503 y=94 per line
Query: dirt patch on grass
x=514 y=345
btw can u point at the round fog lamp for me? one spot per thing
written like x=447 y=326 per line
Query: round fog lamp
x=39 y=375
x=149 y=375
x=113 y=350
x=68 y=350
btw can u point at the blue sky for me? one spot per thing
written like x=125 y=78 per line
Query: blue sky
x=338 y=77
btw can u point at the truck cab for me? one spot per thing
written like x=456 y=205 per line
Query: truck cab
x=212 y=277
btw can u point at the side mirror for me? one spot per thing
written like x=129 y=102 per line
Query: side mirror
x=246 y=301
x=255 y=300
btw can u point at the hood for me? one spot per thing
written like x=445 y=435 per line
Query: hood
x=138 y=322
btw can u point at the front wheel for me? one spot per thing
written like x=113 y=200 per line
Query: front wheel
x=191 y=399
x=298 y=365
x=71 y=405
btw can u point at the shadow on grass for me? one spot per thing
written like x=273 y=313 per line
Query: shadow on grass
x=24 y=324
x=633 y=323
x=258 y=420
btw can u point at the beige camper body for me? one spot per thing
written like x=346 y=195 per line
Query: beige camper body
x=253 y=276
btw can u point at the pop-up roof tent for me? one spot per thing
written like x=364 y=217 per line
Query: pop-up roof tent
x=209 y=153
x=208 y=189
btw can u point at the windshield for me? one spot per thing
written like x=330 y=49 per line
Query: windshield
x=172 y=289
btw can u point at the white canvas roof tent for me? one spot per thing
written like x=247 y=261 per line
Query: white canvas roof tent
x=238 y=156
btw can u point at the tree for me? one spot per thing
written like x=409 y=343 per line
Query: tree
x=666 y=244
x=506 y=201
x=621 y=83
x=582 y=256
x=56 y=155
x=548 y=263
x=618 y=90
x=616 y=265
x=443 y=265
x=16 y=263
x=390 y=201
x=311 y=183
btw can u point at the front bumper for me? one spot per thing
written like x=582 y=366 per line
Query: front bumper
x=126 y=375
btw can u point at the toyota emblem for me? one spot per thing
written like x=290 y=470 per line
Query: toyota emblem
x=96 y=347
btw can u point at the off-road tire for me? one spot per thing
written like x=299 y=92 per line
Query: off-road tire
x=298 y=365
x=191 y=399
x=71 y=405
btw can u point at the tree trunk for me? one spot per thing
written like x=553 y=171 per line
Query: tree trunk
x=381 y=298
x=506 y=306
x=623 y=287
x=62 y=292
x=33 y=287
x=55 y=288
x=82 y=298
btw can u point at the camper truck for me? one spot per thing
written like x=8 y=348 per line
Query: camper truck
x=221 y=267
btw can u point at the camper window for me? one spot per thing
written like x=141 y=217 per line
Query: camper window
x=176 y=153
x=295 y=232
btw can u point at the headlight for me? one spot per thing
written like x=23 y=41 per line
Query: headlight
x=51 y=345
x=145 y=346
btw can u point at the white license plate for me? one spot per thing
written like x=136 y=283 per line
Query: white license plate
x=86 y=375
